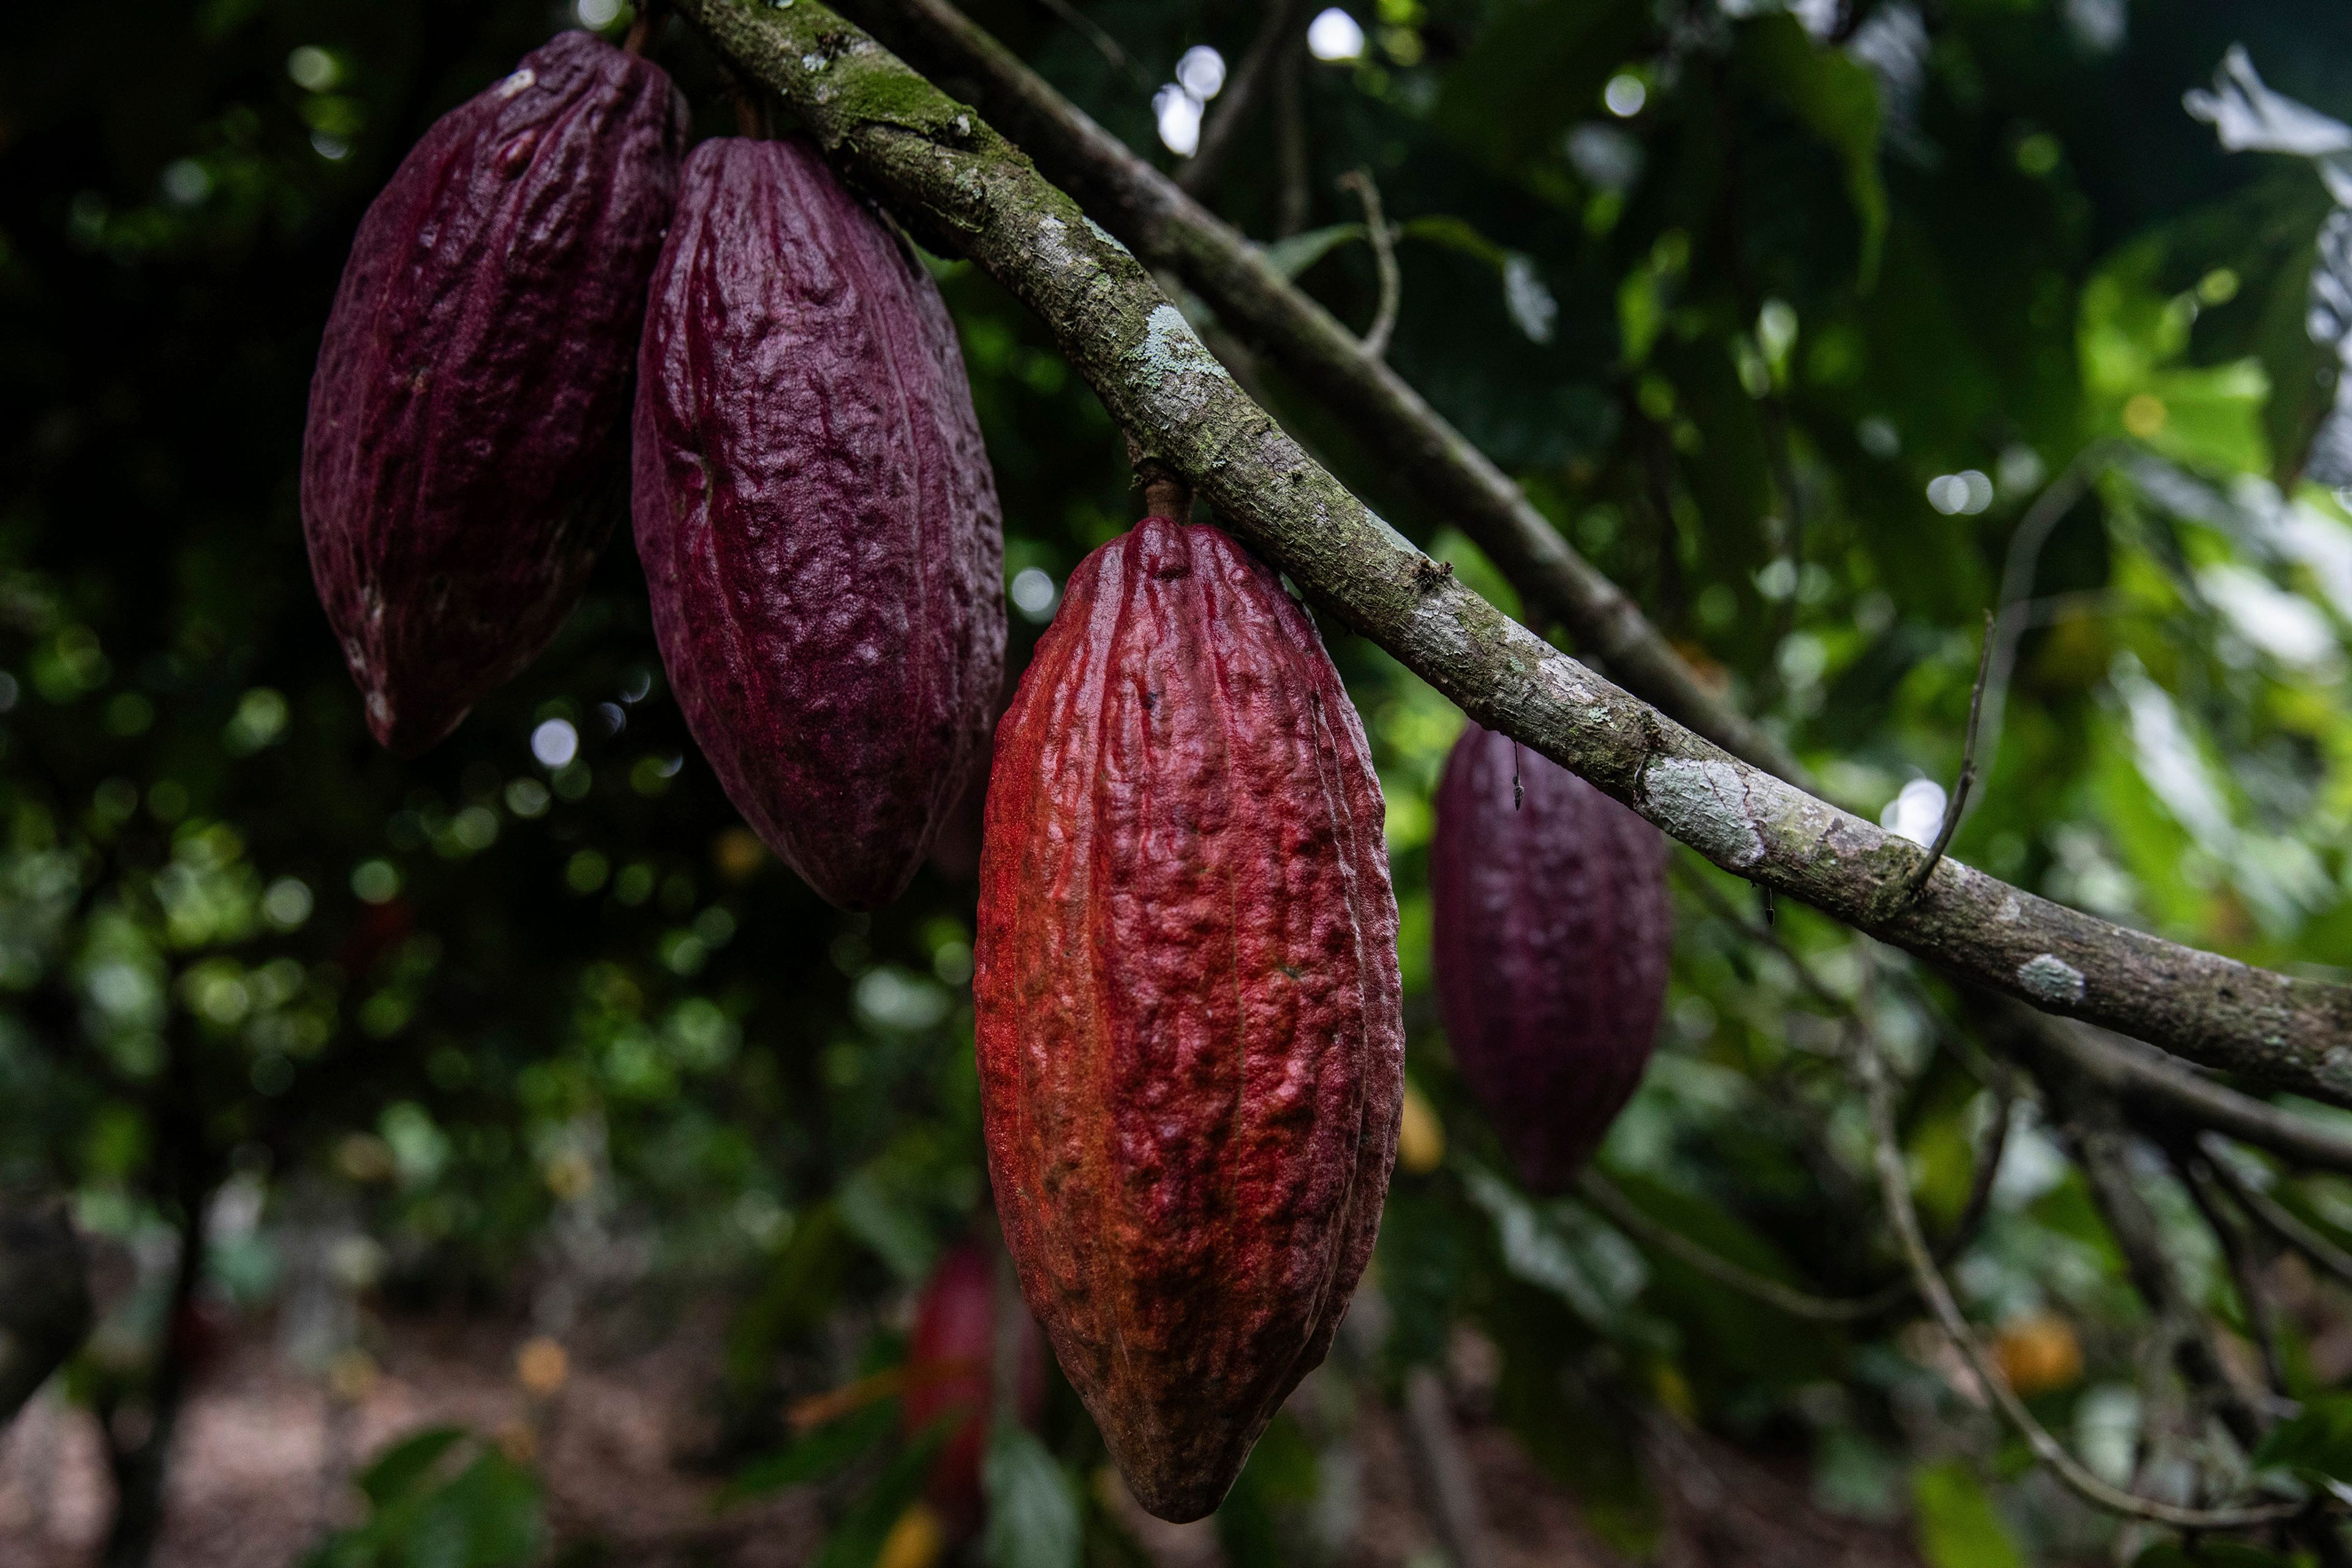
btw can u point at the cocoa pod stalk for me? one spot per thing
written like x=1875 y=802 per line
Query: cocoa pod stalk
x=1552 y=928
x=462 y=458
x=817 y=518
x=1190 y=1028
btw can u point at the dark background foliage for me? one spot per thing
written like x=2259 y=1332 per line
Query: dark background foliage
x=558 y=1042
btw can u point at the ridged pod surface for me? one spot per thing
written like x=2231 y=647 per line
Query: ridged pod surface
x=1190 y=1029
x=817 y=518
x=461 y=466
x=951 y=1370
x=1552 y=932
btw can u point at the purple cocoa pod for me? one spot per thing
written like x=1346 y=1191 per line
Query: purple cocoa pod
x=1552 y=928
x=817 y=518
x=460 y=466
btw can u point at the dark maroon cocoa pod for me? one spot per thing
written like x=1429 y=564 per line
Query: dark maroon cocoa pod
x=1552 y=930
x=461 y=464
x=1190 y=1028
x=817 y=518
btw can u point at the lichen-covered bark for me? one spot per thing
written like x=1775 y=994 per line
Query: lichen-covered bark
x=960 y=185
x=1170 y=228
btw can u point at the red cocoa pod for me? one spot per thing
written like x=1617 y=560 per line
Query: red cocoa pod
x=460 y=466
x=1191 y=1034
x=951 y=1368
x=817 y=518
x=1552 y=930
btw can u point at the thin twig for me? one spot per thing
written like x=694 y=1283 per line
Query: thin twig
x=1105 y=45
x=1376 y=339
x=1962 y=786
x=2025 y=546
x=1605 y=1195
x=2196 y=1178
x=1285 y=25
x=1448 y=1481
x=2099 y=1141
x=1623 y=1213
x=2157 y=1085
x=1894 y=1184
x=2274 y=1217
x=1290 y=140
x=1723 y=909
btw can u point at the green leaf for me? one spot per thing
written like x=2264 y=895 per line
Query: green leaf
x=1033 y=1510
x=402 y=1468
x=1957 y=1526
x=1455 y=234
x=1836 y=98
x=1256 y=1523
x=858 y=1540
x=2319 y=1439
x=820 y=1453
x=488 y=1517
x=2212 y=1554
x=801 y=1286
x=1536 y=70
x=892 y=1229
x=1294 y=256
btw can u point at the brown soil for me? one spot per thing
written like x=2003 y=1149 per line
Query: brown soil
x=264 y=1454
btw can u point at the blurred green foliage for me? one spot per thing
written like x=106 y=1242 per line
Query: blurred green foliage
x=481 y=1027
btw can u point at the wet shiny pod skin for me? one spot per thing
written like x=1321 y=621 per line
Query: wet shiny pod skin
x=817 y=518
x=1552 y=930
x=462 y=463
x=1189 y=1020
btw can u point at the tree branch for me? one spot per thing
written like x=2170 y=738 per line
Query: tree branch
x=1168 y=228
x=1895 y=1185
x=2097 y=1137
x=1449 y=1482
x=2274 y=1217
x=2164 y=1089
x=962 y=188
x=2195 y=1174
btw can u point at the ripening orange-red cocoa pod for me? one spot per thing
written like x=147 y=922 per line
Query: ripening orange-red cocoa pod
x=1551 y=930
x=951 y=1369
x=1191 y=1034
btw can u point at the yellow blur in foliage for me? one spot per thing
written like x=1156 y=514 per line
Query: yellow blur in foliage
x=2038 y=1354
x=1420 y=1137
x=353 y=1375
x=738 y=854
x=541 y=1365
x=916 y=1541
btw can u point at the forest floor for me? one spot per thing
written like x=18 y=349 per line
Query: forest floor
x=265 y=1456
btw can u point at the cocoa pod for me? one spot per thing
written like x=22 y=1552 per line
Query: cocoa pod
x=1551 y=932
x=951 y=1369
x=1190 y=1029
x=817 y=518
x=460 y=465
